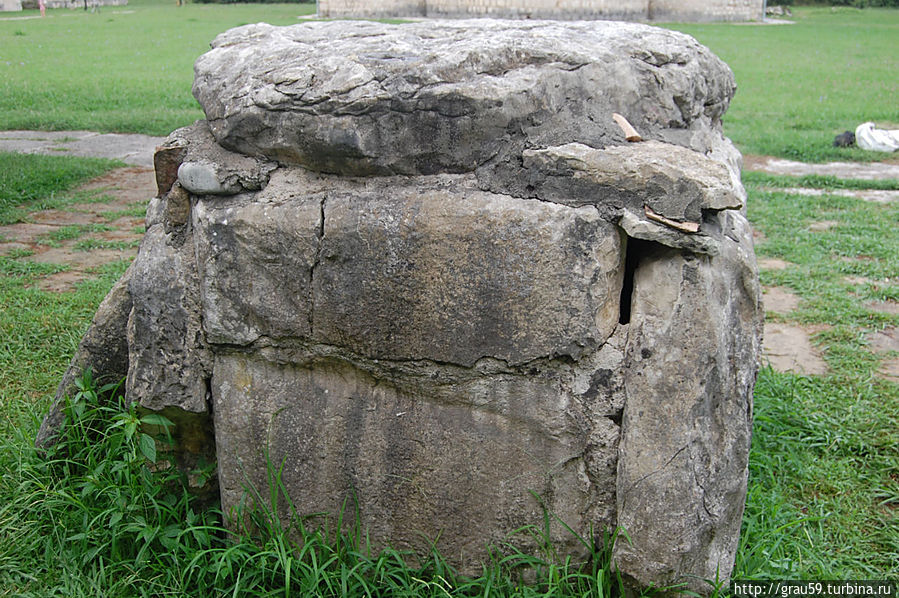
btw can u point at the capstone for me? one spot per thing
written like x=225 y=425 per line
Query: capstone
x=419 y=268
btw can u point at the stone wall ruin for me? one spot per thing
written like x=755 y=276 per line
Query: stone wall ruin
x=628 y=10
x=420 y=267
x=73 y=4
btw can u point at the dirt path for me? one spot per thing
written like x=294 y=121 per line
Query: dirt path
x=130 y=149
x=888 y=169
x=104 y=225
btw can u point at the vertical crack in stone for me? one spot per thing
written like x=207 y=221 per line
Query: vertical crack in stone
x=209 y=403
x=662 y=468
x=616 y=417
x=320 y=235
x=635 y=251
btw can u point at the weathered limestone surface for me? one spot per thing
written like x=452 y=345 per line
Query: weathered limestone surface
x=421 y=268
x=675 y=182
x=486 y=263
x=695 y=324
x=168 y=362
x=359 y=98
x=408 y=462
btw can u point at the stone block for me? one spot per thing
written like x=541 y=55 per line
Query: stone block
x=456 y=275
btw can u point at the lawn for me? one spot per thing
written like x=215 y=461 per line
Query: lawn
x=125 y=69
x=824 y=466
x=798 y=85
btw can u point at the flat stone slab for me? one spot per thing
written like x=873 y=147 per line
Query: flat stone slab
x=843 y=170
x=502 y=299
x=131 y=149
x=355 y=97
x=788 y=348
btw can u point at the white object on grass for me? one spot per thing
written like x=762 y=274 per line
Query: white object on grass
x=868 y=137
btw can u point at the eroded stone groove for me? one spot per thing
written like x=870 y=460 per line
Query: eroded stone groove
x=425 y=272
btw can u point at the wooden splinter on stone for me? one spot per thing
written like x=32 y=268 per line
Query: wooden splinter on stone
x=684 y=227
x=630 y=133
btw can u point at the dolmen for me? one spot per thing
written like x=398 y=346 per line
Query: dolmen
x=449 y=277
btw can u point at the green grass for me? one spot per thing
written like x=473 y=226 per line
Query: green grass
x=800 y=85
x=91 y=244
x=124 y=69
x=70 y=232
x=816 y=181
x=824 y=466
x=40 y=182
x=823 y=469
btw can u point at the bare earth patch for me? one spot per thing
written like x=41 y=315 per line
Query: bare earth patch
x=61 y=282
x=788 y=348
x=889 y=369
x=843 y=170
x=779 y=300
x=857 y=280
x=773 y=263
x=884 y=307
x=886 y=340
x=25 y=233
x=124 y=190
x=822 y=225
x=8 y=247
